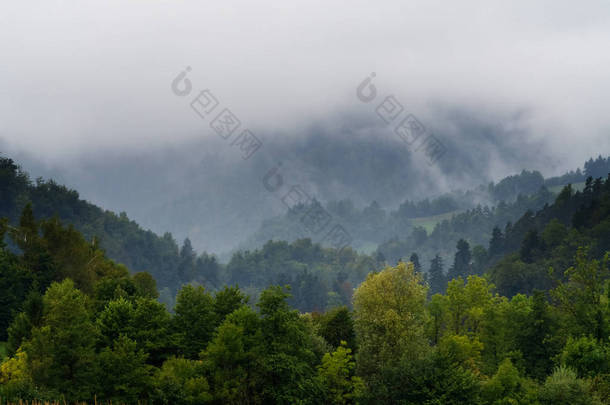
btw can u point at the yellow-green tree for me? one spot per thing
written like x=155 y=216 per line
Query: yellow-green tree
x=467 y=303
x=390 y=317
x=336 y=375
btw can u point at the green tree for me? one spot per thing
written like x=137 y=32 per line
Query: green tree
x=530 y=246
x=182 y=382
x=461 y=262
x=564 y=387
x=152 y=330
x=508 y=387
x=233 y=359
x=61 y=355
x=496 y=243
x=535 y=339
x=479 y=259
x=20 y=328
x=436 y=276
x=337 y=326
x=586 y=356
x=288 y=357
x=415 y=260
x=186 y=265
x=582 y=296
x=504 y=322
x=228 y=300
x=14 y=284
x=336 y=376
x=466 y=304
x=145 y=284
x=115 y=320
x=35 y=256
x=437 y=307
x=266 y=358
x=194 y=321
x=124 y=376
x=430 y=380
x=390 y=316
x=554 y=233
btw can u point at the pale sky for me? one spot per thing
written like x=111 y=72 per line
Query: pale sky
x=81 y=75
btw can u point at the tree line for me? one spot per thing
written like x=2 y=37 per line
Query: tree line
x=83 y=327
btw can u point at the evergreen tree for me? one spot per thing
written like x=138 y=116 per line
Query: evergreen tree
x=207 y=270
x=186 y=266
x=535 y=339
x=496 y=243
x=461 y=261
x=436 y=275
x=529 y=246
x=415 y=260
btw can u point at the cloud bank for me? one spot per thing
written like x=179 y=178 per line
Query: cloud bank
x=96 y=75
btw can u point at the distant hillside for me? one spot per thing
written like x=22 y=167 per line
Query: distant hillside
x=378 y=225
x=123 y=240
x=551 y=238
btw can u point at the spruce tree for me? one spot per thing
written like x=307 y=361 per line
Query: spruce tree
x=461 y=261
x=415 y=260
x=436 y=275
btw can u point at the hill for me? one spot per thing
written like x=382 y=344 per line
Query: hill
x=122 y=239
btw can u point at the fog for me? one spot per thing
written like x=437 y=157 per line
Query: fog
x=86 y=97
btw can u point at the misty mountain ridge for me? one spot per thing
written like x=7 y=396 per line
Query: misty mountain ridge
x=203 y=187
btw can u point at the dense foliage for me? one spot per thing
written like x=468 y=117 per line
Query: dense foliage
x=475 y=225
x=122 y=239
x=398 y=345
x=373 y=224
x=525 y=320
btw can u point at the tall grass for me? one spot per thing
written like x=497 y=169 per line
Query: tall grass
x=62 y=402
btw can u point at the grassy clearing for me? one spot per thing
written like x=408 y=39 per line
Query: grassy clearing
x=576 y=187
x=430 y=222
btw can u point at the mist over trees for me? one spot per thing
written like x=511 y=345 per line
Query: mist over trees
x=199 y=188
x=521 y=317
x=304 y=203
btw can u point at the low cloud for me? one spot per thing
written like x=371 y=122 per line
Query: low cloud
x=80 y=77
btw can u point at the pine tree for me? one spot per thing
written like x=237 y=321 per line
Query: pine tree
x=529 y=246
x=436 y=275
x=461 y=261
x=496 y=243
x=533 y=340
x=415 y=260
x=186 y=266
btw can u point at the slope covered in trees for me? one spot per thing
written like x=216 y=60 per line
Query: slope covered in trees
x=376 y=224
x=319 y=277
x=122 y=239
x=475 y=225
x=81 y=327
x=548 y=241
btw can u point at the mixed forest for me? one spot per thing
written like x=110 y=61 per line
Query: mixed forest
x=504 y=301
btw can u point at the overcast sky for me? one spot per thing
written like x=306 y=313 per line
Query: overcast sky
x=81 y=75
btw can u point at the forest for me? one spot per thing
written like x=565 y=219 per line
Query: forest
x=521 y=319
x=304 y=203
